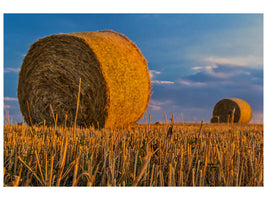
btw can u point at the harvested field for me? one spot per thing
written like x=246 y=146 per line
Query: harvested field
x=140 y=155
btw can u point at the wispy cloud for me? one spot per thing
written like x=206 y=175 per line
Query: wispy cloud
x=161 y=82
x=200 y=68
x=210 y=71
x=191 y=83
x=156 y=105
x=160 y=103
x=11 y=70
x=10 y=99
x=153 y=73
x=220 y=71
x=237 y=61
x=7 y=106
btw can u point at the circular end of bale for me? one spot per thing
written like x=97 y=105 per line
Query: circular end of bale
x=49 y=83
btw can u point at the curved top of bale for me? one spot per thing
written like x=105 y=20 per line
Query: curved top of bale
x=224 y=109
x=115 y=83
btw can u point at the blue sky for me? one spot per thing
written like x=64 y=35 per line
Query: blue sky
x=194 y=59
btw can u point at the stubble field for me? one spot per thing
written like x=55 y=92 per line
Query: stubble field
x=179 y=154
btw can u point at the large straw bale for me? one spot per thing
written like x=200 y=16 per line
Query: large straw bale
x=115 y=84
x=224 y=109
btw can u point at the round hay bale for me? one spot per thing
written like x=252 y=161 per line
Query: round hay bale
x=224 y=109
x=115 y=83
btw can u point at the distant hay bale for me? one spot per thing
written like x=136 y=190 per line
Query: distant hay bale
x=159 y=123
x=115 y=83
x=223 y=110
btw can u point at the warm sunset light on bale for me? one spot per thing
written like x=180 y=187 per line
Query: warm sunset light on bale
x=115 y=83
x=223 y=110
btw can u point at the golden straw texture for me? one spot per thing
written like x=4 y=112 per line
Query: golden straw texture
x=115 y=83
x=224 y=109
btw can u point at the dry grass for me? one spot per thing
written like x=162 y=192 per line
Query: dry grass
x=115 y=83
x=140 y=155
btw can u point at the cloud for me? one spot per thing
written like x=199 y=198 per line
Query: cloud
x=237 y=61
x=10 y=99
x=202 y=77
x=212 y=71
x=154 y=107
x=161 y=82
x=158 y=105
x=7 y=106
x=222 y=74
x=11 y=70
x=203 y=68
x=153 y=73
x=191 y=83
x=257 y=117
